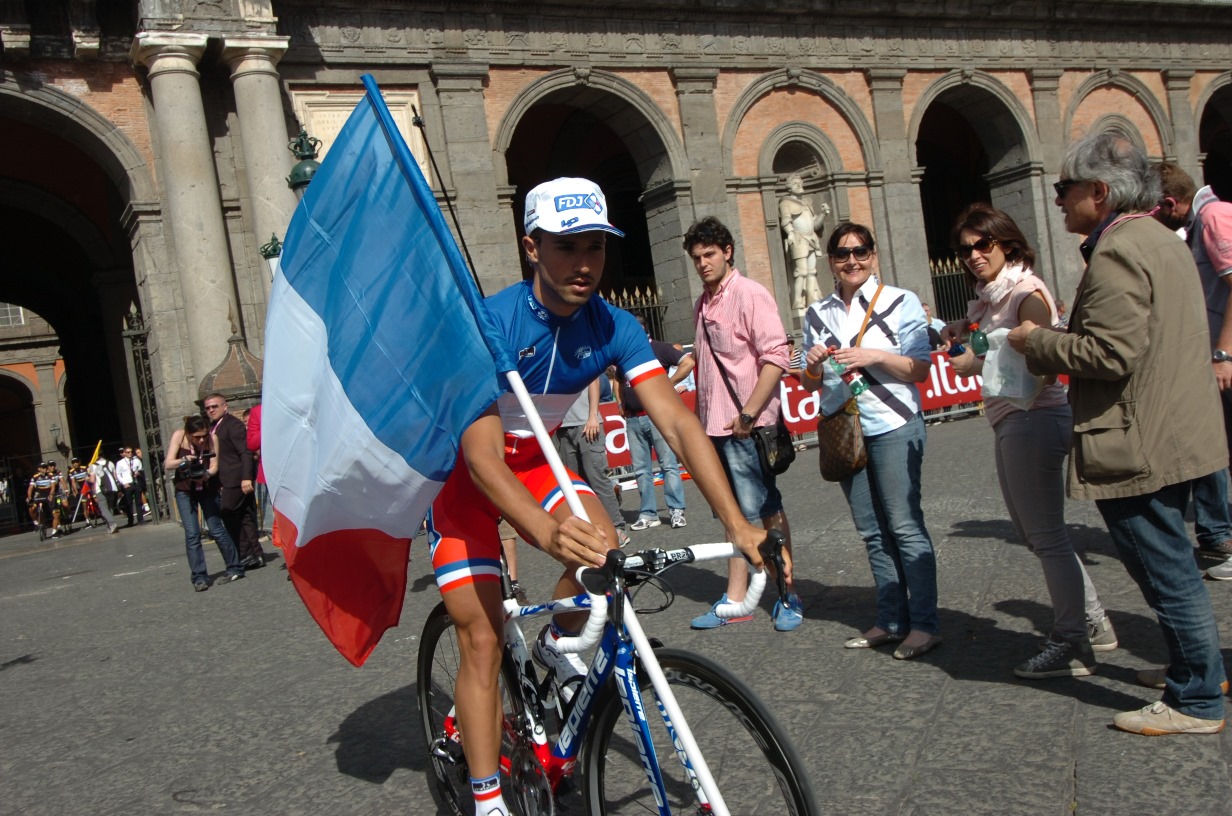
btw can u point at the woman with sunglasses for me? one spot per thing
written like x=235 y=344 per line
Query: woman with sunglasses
x=1031 y=444
x=892 y=355
x=190 y=457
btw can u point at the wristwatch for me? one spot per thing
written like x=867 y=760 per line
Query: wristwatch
x=745 y=419
x=1220 y=356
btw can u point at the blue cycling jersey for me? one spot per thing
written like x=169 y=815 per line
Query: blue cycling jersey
x=558 y=357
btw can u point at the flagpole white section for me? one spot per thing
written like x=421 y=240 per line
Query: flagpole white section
x=545 y=442
x=326 y=469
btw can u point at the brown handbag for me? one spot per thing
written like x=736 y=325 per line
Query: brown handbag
x=840 y=439
x=840 y=443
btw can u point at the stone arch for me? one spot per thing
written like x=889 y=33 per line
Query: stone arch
x=637 y=155
x=586 y=88
x=1014 y=122
x=24 y=381
x=813 y=81
x=1114 y=78
x=48 y=107
x=1208 y=93
x=1213 y=116
x=1120 y=125
x=22 y=196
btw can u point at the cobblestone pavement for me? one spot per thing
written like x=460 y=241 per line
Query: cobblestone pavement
x=125 y=692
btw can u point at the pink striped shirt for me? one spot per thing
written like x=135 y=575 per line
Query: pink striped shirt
x=743 y=321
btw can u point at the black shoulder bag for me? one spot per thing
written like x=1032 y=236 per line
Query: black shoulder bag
x=774 y=446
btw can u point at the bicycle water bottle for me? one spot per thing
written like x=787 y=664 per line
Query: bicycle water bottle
x=979 y=340
x=854 y=379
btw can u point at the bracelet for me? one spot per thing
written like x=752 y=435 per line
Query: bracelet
x=808 y=373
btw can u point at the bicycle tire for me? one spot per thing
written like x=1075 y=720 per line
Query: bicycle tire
x=437 y=672
x=754 y=763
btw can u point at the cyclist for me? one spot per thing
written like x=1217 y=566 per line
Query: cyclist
x=564 y=338
x=77 y=484
x=42 y=496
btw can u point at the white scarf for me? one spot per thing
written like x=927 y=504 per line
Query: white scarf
x=994 y=291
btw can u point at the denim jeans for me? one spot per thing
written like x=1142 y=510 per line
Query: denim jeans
x=1031 y=447
x=885 y=506
x=756 y=491
x=187 y=503
x=642 y=435
x=588 y=459
x=1212 y=522
x=1149 y=532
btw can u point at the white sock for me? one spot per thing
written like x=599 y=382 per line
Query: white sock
x=488 y=798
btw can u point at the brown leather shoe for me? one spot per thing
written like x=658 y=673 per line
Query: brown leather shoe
x=1222 y=548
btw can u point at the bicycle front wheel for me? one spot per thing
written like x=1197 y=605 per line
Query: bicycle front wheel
x=754 y=764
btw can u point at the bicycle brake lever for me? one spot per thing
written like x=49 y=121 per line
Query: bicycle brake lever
x=772 y=551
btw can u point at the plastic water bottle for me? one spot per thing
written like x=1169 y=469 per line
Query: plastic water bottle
x=854 y=379
x=979 y=340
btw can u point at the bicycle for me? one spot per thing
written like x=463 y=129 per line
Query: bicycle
x=589 y=764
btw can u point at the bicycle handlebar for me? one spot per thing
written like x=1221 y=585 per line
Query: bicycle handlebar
x=599 y=581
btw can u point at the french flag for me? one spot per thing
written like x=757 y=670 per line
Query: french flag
x=379 y=354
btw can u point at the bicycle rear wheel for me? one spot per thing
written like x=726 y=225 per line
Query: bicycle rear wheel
x=438 y=661
x=754 y=764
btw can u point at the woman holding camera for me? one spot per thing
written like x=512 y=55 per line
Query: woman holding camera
x=190 y=456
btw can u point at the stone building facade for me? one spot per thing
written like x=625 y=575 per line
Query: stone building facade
x=144 y=143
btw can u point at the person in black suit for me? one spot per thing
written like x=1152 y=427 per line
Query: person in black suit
x=237 y=472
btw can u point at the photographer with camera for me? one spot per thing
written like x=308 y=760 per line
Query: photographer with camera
x=191 y=457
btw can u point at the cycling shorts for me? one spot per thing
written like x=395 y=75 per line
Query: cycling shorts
x=462 y=524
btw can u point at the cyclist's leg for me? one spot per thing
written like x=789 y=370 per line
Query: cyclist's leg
x=462 y=529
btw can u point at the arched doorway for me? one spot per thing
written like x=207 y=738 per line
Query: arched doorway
x=19 y=447
x=604 y=129
x=972 y=146
x=1215 y=142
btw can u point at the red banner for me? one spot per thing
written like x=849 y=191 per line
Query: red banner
x=943 y=389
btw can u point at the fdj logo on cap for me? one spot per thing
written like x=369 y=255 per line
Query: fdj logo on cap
x=578 y=201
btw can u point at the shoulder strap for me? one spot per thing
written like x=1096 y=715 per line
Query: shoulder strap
x=868 y=314
x=710 y=346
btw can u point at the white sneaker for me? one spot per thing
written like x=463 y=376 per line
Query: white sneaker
x=645 y=523
x=566 y=666
x=678 y=519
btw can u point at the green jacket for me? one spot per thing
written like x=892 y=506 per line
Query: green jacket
x=1146 y=408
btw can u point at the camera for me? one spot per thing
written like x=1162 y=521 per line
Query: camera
x=195 y=469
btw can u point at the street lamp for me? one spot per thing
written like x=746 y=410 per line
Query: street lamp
x=55 y=436
x=305 y=148
x=271 y=252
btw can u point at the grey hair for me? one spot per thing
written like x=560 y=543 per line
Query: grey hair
x=1117 y=162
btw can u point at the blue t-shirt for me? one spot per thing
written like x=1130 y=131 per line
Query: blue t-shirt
x=558 y=357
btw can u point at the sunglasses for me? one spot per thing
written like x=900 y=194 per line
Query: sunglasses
x=212 y=407
x=861 y=252
x=199 y=437
x=981 y=246
x=1063 y=186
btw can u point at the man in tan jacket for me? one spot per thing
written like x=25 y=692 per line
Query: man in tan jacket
x=1146 y=410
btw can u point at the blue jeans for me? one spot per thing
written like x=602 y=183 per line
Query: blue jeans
x=187 y=503
x=642 y=435
x=1212 y=522
x=885 y=506
x=1149 y=533
x=756 y=491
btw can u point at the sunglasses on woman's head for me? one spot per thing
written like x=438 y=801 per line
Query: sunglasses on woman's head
x=861 y=252
x=981 y=246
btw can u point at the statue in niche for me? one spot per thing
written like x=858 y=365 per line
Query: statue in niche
x=801 y=224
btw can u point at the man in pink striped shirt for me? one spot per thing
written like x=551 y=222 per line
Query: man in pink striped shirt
x=740 y=342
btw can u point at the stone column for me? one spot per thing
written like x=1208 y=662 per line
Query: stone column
x=190 y=187
x=1184 y=129
x=470 y=169
x=263 y=132
x=47 y=410
x=900 y=232
x=1058 y=260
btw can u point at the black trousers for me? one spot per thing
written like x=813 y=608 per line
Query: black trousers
x=240 y=519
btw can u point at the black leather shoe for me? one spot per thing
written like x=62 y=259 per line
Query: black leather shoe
x=252 y=563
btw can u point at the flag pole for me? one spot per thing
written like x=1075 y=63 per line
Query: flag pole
x=545 y=443
x=418 y=121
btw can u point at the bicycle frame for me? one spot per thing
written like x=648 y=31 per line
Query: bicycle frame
x=622 y=644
